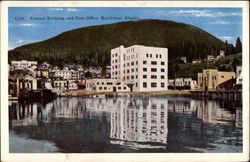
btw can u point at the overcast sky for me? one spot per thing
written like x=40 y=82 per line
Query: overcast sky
x=28 y=25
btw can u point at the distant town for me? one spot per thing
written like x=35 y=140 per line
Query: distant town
x=133 y=69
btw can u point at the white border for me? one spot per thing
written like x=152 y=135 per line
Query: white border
x=6 y=156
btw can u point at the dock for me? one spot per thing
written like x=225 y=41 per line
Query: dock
x=235 y=94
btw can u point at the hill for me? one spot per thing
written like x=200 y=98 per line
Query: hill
x=90 y=46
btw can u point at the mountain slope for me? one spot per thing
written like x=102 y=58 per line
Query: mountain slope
x=91 y=46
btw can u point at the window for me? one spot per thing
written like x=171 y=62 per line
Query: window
x=100 y=88
x=136 y=84
x=162 y=70
x=127 y=71
x=160 y=56
x=128 y=64
x=154 y=106
x=119 y=88
x=97 y=83
x=144 y=76
x=222 y=76
x=144 y=69
x=153 y=84
x=144 y=84
x=146 y=55
x=132 y=70
x=150 y=55
x=136 y=62
x=109 y=83
x=153 y=76
x=136 y=69
x=124 y=88
x=132 y=63
x=144 y=62
x=153 y=63
x=105 y=88
x=162 y=63
x=156 y=55
x=153 y=70
x=132 y=77
x=162 y=77
x=162 y=85
x=136 y=76
x=127 y=77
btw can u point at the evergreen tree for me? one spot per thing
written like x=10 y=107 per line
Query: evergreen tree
x=226 y=48
x=238 y=46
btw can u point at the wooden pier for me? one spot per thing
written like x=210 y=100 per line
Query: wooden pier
x=235 y=94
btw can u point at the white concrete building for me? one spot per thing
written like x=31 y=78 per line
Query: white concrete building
x=106 y=85
x=143 y=68
x=23 y=64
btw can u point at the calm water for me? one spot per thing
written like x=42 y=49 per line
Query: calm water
x=125 y=124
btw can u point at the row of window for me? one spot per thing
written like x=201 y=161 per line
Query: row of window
x=156 y=55
x=119 y=88
x=132 y=64
x=153 y=77
x=153 y=85
x=153 y=70
x=153 y=62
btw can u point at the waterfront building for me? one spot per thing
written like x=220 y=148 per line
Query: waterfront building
x=227 y=85
x=60 y=84
x=182 y=84
x=23 y=64
x=72 y=85
x=140 y=67
x=239 y=76
x=106 y=85
x=209 y=79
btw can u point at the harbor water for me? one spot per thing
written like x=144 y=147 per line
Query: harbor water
x=125 y=125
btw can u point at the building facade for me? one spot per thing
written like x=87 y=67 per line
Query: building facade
x=209 y=79
x=106 y=85
x=23 y=64
x=182 y=84
x=142 y=68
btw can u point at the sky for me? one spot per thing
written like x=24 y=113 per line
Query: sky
x=34 y=24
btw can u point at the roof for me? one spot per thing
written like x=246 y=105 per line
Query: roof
x=228 y=82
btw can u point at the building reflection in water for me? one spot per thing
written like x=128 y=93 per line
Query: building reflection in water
x=134 y=122
x=213 y=112
x=139 y=120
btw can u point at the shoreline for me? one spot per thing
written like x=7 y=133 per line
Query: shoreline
x=83 y=93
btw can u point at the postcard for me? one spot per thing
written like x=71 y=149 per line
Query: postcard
x=125 y=81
